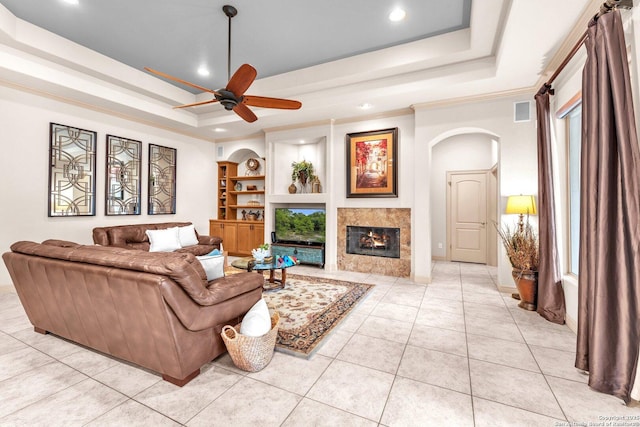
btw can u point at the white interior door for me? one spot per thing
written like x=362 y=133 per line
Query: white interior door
x=468 y=216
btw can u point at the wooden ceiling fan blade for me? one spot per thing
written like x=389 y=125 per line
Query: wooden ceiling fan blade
x=244 y=112
x=195 y=104
x=241 y=80
x=267 y=102
x=179 y=80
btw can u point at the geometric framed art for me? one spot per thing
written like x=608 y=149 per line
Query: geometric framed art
x=162 y=180
x=72 y=171
x=122 y=196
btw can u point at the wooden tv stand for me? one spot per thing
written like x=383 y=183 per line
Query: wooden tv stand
x=306 y=254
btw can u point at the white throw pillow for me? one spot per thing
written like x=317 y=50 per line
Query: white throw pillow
x=187 y=235
x=213 y=266
x=166 y=240
x=257 y=321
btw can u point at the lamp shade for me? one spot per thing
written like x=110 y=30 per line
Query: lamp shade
x=521 y=205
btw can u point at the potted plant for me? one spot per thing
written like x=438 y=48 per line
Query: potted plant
x=302 y=171
x=521 y=245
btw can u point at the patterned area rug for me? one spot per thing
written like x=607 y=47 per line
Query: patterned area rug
x=310 y=307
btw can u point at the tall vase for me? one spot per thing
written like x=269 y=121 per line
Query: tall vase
x=302 y=178
x=527 y=284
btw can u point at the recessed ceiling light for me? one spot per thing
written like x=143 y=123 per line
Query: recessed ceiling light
x=365 y=106
x=219 y=130
x=301 y=141
x=397 y=14
x=73 y=2
x=203 y=71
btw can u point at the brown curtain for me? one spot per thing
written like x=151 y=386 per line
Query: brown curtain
x=550 y=295
x=608 y=310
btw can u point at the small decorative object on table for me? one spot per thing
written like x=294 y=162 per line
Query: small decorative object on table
x=261 y=253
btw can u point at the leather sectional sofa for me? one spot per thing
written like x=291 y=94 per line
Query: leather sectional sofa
x=134 y=237
x=154 y=309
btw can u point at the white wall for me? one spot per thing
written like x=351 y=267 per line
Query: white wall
x=24 y=138
x=517 y=153
x=457 y=153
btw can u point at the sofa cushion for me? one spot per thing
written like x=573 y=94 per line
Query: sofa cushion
x=213 y=266
x=122 y=236
x=187 y=236
x=134 y=236
x=167 y=240
x=196 y=250
x=182 y=268
x=257 y=321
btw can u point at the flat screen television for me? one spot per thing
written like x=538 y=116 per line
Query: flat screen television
x=300 y=226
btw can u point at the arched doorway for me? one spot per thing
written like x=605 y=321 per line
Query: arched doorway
x=464 y=196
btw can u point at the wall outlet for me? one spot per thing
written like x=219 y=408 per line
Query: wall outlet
x=439 y=245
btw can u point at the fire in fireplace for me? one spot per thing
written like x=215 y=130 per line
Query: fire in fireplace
x=373 y=241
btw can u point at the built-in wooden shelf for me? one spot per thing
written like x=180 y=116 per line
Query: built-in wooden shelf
x=248 y=178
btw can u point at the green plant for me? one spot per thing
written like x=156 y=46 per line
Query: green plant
x=521 y=246
x=264 y=246
x=303 y=166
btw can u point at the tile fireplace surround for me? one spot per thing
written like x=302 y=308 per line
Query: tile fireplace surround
x=375 y=217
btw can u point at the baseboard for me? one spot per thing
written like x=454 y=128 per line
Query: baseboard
x=5 y=289
x=572 y=324
x=438 y=258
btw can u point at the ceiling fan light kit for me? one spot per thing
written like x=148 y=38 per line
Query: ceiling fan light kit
x=232 y=97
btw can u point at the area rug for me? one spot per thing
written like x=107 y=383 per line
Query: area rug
x=310 y=308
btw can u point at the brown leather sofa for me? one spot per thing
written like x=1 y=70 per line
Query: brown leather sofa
x=156 y=309
x=134 y=237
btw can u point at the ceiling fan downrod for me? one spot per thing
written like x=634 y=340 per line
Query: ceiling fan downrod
x=230 y=11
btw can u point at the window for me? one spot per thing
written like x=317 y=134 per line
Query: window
x=574 y=137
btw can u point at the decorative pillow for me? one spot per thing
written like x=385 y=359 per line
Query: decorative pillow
x=257 y=321
x=166 y=240
x=213 y=266
x=188 y=235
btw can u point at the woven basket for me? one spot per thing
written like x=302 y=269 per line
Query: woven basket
x=251 y=353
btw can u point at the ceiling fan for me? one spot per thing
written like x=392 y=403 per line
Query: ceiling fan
x=232 y=97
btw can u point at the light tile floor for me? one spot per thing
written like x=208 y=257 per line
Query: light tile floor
x=455 y=352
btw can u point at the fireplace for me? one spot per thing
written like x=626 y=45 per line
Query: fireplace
x=373 y=252
x=373 y=241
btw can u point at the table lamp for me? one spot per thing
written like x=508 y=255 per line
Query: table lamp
x=521 y=205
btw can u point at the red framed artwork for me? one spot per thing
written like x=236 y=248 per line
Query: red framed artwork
x=372 y=166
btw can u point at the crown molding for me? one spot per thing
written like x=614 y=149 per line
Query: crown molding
x=101 y=110
x=528 y=91
x=303 y=125
x=588 y=12
x=259 y=134
x=375 y=116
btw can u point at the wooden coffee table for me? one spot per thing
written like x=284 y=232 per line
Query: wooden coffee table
x=249 y=264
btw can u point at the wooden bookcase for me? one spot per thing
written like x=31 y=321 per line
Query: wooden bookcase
x=238 y=235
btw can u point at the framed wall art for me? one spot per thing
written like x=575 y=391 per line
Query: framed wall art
x=372 y=165
x=162 y=180
x=72 y=171
x=122 y=195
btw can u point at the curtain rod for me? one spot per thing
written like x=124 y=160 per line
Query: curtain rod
x=606 y=7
